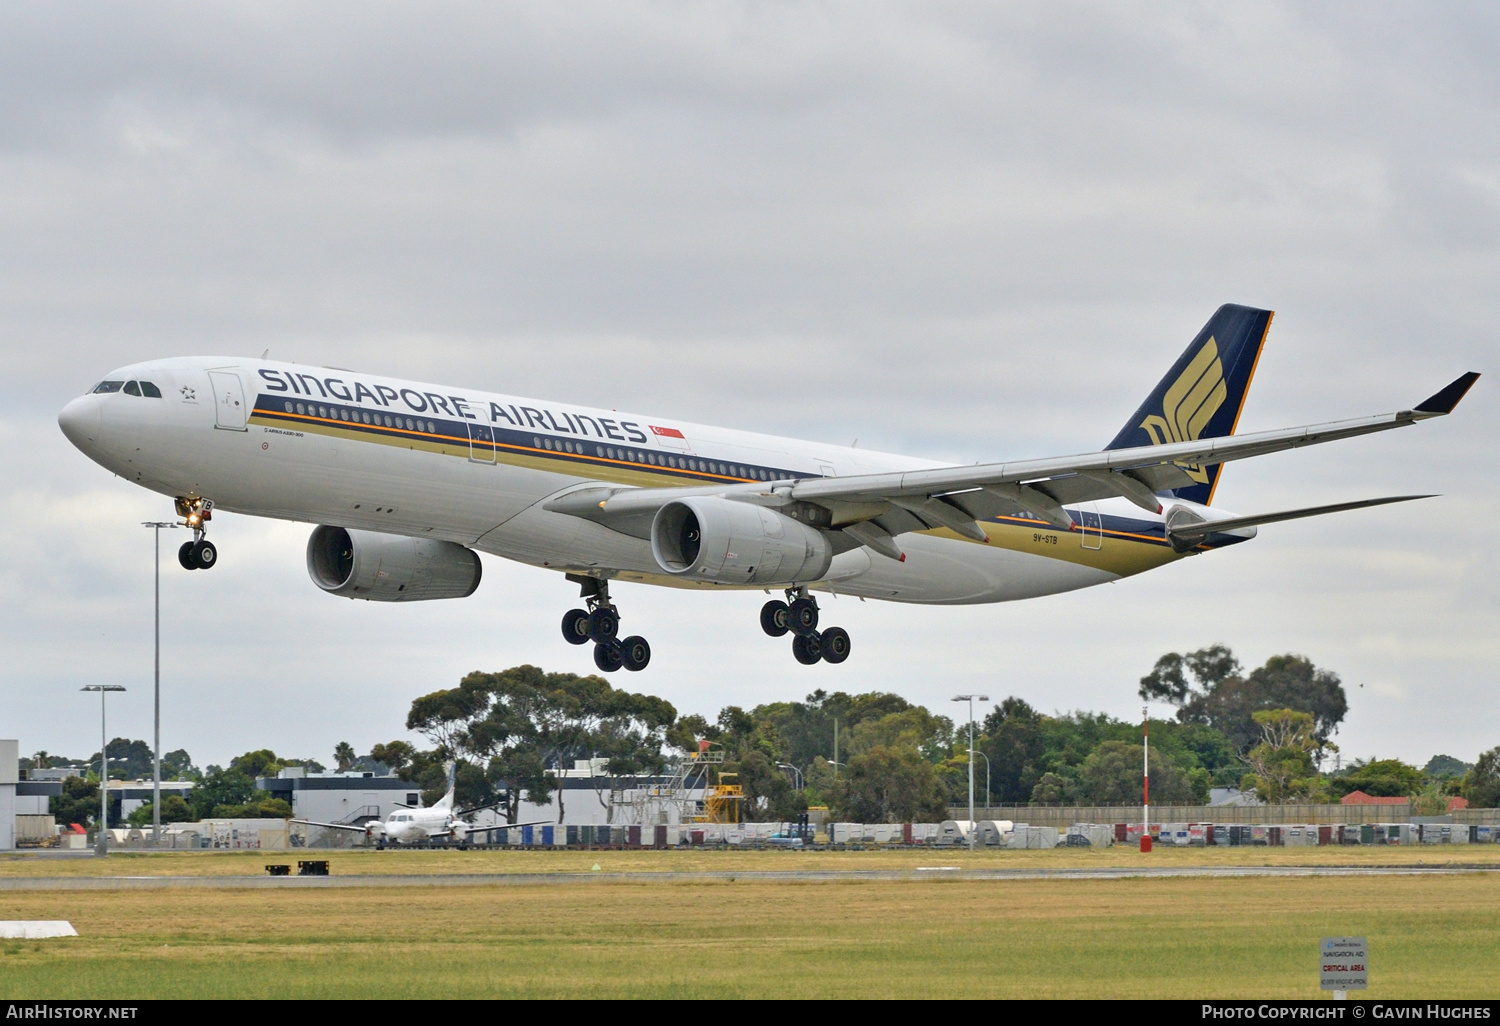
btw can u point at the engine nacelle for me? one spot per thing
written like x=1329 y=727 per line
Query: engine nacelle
x=390 y=568
x=711 y=539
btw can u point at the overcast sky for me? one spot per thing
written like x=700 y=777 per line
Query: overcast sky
x=962 y=231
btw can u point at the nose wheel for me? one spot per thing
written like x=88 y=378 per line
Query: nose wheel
x=599 y=623
x=799 y=617
x=200 y=553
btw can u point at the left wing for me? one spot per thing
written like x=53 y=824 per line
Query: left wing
x=872 y=508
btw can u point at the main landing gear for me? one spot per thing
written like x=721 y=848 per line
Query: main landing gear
x=799 y=615
x=599 y=623
x=200 y=553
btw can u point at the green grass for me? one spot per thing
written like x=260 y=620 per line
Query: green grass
x=1429 y=937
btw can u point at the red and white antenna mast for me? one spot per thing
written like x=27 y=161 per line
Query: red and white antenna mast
x=1145 y=779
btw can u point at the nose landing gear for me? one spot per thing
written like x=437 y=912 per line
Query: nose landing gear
x=800 y=615
x=599 y=623
x=200 y=553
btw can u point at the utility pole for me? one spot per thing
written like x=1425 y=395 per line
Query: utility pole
x=970 y=699
x=156 y=690
x=101 y=844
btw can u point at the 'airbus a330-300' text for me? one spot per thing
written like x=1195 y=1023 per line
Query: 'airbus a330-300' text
x=407 y=480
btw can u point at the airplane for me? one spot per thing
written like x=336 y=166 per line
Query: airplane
x=406 y=482
x=408 y=825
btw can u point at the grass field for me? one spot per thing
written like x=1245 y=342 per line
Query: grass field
x=1256 y=937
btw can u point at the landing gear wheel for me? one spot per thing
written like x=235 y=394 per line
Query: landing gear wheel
x=807 y=648
x=609 y=657
x=635 y=653
x=204 y=554
x=603 y=623
x=575 y=627
x=775 y=618
x=802 y=615
x=185 y=556
x=835 y=644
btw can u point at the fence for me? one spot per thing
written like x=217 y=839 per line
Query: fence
x=1063 y=816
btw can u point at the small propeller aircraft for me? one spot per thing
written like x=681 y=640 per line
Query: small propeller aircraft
x=438 y=823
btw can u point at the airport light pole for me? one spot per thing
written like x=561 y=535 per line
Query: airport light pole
x=971 y=699
x=101 y=847
x=156 y=690
x=986 y=758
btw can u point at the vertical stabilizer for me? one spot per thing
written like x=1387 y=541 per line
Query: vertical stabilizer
x=446 y=801
x=1203 y=394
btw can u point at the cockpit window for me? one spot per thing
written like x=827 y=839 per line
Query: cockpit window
x=132 y=388
x=107 y=386
x=150 y=391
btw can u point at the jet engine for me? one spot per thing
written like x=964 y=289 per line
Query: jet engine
x=706 y=538
x=388 y=567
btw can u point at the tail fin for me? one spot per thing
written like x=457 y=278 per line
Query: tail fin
x=446 y=801
x=1203 y=394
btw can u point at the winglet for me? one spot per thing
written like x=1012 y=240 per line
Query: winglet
x=1444 y=401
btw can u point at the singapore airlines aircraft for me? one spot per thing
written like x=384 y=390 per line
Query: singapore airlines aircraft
x=407 y=480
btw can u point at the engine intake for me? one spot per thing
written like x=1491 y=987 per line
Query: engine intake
x=712 y=539
x=390 y=568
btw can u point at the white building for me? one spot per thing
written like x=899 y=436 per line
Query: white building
x=350 y=797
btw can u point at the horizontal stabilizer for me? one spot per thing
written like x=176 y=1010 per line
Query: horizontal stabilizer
x=1184 y=534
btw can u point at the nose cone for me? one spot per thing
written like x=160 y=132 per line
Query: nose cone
x=80 y=421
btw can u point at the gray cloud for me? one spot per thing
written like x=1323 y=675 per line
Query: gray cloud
x=946 y=229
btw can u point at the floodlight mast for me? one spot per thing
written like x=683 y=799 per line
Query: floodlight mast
x=101 y=846
x=971 y=699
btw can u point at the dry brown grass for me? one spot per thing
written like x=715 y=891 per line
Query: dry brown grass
x=1429 y=937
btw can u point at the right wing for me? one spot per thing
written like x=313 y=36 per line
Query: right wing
x=871 y=509
x=336 y=826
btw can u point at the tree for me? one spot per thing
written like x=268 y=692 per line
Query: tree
x=343 y=754
x=262 y=763
x=1445 y=767
x=128 y=760
x=1051 y=789
x=178 y=765
x=769 y=796
x=1482 y=783
x=522 y=724
x=1013 y=742
x=1382 y=778
x=174 y=809
x=1281 y=766
x=888 y=785
x=395 y=756
x=1111 y=775
x=222 y=788
x=1207 y=688
x=78 y=803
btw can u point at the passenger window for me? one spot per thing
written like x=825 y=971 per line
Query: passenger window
x=150 y=391
x=131 y=388
x=107 y=386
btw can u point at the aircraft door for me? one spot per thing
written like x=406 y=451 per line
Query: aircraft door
x=1092 y=528
x=229 y=401
x=481 y=442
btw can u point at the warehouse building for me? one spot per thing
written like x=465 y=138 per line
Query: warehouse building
x=347 y=797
